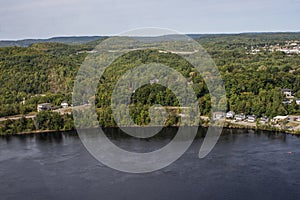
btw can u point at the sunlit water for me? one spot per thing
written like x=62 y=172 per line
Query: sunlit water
x=243 y=165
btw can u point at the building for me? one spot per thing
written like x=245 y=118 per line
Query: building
x=287 y=101
x=64 y=104
x=230 y=114
x=154 y=81
x=294 y=118
x=294 y=51
x=44 y=106
x=218 y=115
x=264 y=120
x=251 y=118
x=240 y=117
x=279 y=118
x=287 y=93
x=23 y=102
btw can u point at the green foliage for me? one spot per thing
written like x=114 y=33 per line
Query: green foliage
x=16 y=126
x=253 y=82
x=38 y=69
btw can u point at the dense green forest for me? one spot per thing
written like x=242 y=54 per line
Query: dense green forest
x=45 y=72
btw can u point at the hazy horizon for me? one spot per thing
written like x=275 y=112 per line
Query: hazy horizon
x=216 y=33
x=35 y=19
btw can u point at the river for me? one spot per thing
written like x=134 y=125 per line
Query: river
x=244 y=164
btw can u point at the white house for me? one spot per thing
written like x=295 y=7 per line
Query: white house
x=287 y=101
x=251 y=118
x=287 y=93
x=64 y=104
x=218 y=115
x=240 y=117
x=230 y=114
x=279 y=118
x=264 y=120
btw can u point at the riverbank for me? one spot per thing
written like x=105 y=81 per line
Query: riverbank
x=232 y=124
x=42 y=131
x=23 y=125
x=227 y=125
x=262 y=127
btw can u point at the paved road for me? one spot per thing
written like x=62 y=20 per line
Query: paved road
x=15 y=117
x=62 y=111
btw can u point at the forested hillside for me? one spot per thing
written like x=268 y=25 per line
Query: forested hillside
x=45 y=72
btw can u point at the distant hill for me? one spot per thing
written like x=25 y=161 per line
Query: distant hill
x=65 y=40
x=90 y=39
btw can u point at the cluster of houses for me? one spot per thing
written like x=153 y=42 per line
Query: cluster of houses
x=238 y=117
x=290 y=47
x=288 y=97
x=231 y=115
x=48 y=106
x=243 y=117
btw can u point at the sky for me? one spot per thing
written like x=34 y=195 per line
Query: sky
x=20 y=19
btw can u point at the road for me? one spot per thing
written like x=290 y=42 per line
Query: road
x=61 y=111
x=15 y=117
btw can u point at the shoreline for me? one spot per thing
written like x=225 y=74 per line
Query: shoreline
x=227 y=125
x=205 y=122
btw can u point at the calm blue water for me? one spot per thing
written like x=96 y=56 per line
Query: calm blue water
x=243 y=165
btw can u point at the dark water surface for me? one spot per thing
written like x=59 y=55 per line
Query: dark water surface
x=243 y=165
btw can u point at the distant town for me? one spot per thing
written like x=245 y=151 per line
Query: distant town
x=290 y=47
